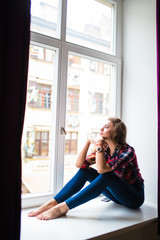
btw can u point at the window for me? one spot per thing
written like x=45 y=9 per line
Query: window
x=73 y=82
x=41 y=143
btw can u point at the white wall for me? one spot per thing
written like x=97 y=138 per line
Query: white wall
x=139 y=96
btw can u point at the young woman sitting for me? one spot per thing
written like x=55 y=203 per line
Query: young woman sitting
x=117 y=176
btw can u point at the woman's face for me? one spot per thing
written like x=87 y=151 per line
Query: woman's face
x=107 y=131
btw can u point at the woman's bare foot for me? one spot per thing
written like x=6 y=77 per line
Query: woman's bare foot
x=43 y=208
x=54 y=212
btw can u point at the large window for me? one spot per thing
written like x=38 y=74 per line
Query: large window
x=73 y=86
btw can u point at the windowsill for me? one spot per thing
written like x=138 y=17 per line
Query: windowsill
x=90 y=220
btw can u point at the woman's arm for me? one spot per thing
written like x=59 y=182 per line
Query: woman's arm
x=82 y=155
x=102 y=166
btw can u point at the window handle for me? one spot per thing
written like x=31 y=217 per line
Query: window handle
x=63 y=131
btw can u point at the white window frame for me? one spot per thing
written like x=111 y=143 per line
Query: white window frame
x=60 y=90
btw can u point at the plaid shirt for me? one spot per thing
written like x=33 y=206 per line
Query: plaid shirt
x=123 y=162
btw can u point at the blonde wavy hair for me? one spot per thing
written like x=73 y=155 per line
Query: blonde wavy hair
x=120 y=130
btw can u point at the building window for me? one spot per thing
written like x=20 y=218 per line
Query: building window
x=73 y=100
x=71 y=143
x=39 y=95
x=41 y=143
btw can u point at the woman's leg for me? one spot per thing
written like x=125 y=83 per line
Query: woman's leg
x=76 y=184
x=71 y=188
x=127 y=194
x=122 y=192
x=46 y=206
x=109 y=196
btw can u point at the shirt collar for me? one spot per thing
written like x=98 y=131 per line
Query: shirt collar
x=116 y=151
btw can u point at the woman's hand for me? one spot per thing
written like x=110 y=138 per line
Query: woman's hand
x=100 y=141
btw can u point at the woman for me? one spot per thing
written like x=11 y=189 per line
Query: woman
x=117 y=175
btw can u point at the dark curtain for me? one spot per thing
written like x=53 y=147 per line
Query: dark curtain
x=158 y=92
x=14 y=51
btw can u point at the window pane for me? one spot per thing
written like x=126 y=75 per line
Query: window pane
x=93 y=88
x=36 y=142
x=90 y=24
x=45 y=17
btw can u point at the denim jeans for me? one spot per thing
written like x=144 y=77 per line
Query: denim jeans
x=109 y=184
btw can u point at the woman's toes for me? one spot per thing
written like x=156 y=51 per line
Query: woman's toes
x=32 y=214
x=39 y=216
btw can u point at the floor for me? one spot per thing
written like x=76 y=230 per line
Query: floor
x=93 y=219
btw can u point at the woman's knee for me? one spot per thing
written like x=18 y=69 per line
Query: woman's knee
x=89 y=173
x=108 y=176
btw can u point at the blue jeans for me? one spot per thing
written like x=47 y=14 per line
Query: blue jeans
x=109 y=184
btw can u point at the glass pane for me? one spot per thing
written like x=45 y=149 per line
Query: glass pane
x=45 y=18
x=36 y=141
x=90 y=24
x=92 y=81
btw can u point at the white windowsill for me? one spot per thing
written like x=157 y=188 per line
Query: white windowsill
x=90 y=220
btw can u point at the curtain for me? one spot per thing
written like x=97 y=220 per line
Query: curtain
x=158 y=95
x=14 y=51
